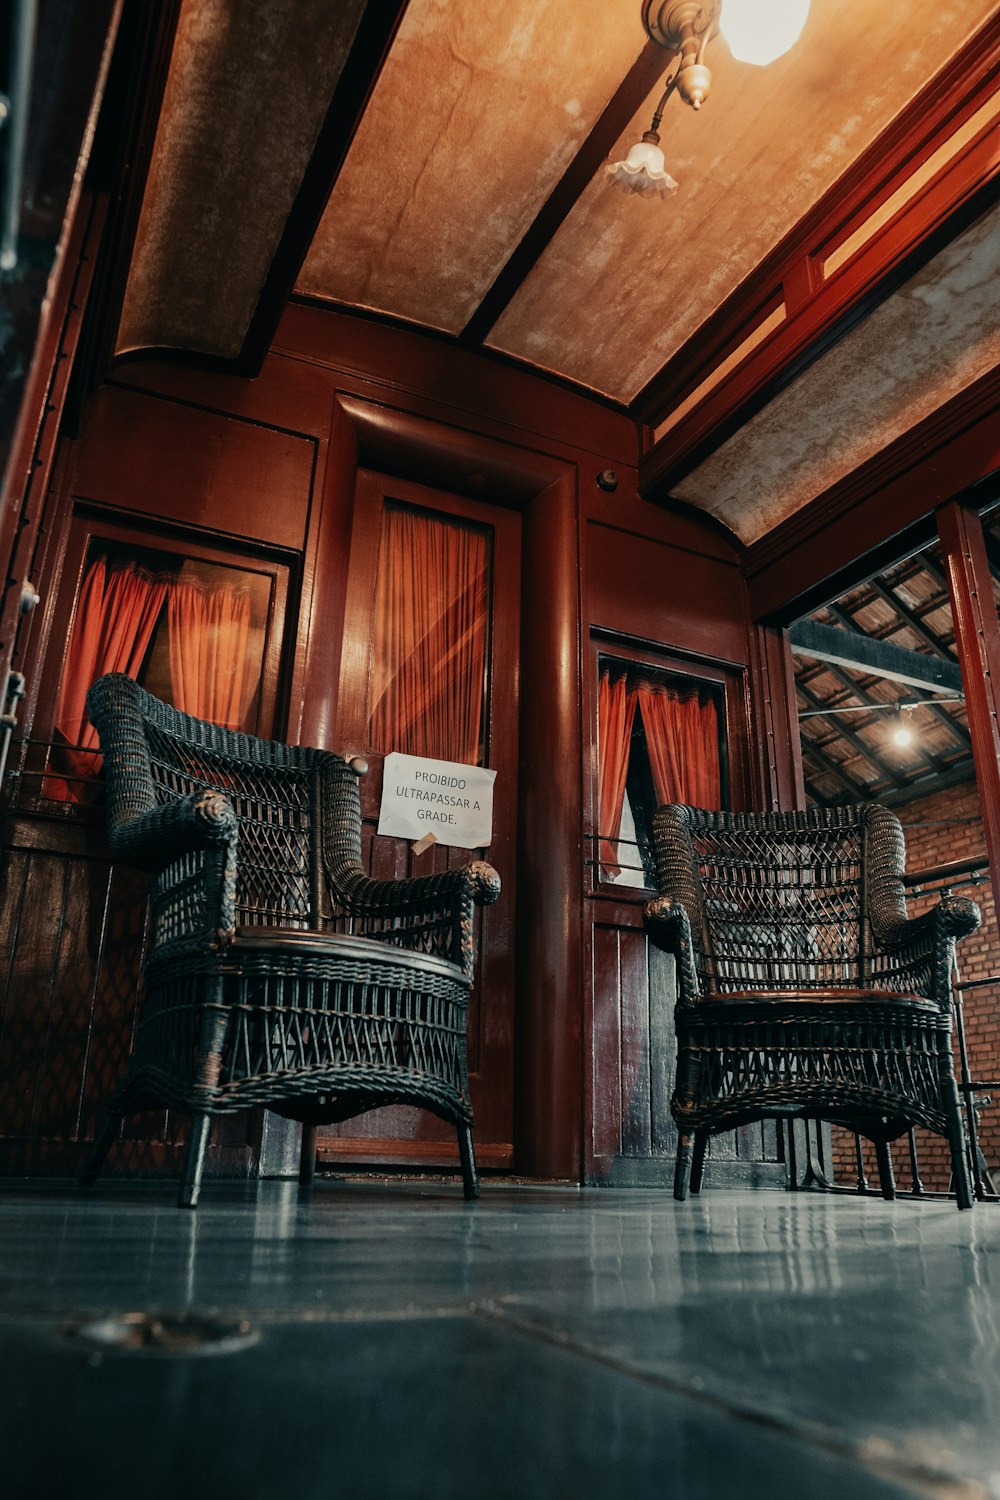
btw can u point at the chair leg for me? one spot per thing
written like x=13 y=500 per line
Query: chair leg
x=307 y=1161
x=467 y=1152
x=698 y=1160
x=194 y=1160
x=99 y=1150
x=886 y=1175
x=214 y=1024
x=682 y=1167
x=956 y=1139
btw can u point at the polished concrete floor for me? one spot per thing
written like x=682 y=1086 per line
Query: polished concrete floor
x=385 y=1341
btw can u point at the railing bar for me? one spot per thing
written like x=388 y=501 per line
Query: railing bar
x=944 y=872
x=966 y=1088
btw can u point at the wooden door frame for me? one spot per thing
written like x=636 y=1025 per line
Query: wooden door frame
x=548 y=1123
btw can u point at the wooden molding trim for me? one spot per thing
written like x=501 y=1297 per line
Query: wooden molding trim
x=977 y=640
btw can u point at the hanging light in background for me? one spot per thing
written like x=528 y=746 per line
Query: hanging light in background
x=902 y=730
x=758 y=31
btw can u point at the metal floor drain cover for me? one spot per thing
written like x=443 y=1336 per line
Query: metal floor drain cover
x=165 y=1333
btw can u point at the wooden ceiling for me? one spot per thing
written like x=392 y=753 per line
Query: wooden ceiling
x=440 y=162
x=847 y=713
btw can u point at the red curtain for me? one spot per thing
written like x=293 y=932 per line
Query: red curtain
x=208 y=632
x=682 y=737
x=615 y=713
x=115 y=618
x=431 y=629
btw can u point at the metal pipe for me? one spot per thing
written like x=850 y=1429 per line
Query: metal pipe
x=23 y=27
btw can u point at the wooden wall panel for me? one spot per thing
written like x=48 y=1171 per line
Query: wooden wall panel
x=158 y=458
x=632 y=1135
x=272 y=462
x=73 y=928
x=458 y=384
x=677 y=598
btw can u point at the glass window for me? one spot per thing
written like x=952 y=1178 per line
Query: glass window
x=191 y=631
x=660 y=740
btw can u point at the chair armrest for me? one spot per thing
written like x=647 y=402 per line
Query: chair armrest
x=425 y=911
x=915 y=955
x=188 y=848
x=155 y=838
x=669 y=927
x=361 y=893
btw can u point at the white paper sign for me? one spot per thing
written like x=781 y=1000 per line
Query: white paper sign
x=452 y=801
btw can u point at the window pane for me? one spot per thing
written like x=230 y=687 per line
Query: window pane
x=660 y=741
x=191 y=632
x=427 y=691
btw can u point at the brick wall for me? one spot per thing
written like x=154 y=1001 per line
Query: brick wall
x=943 y=827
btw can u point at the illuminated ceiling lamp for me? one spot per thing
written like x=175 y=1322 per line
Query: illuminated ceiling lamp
x=758 y=31
x=902 y=732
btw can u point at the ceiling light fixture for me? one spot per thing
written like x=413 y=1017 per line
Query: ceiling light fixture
x=758 y=31
x=902 y=731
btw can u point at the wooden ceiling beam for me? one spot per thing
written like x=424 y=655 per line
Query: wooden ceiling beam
x=856 y=790
x=863 y=653
x=375 y=34
x=916 y=624
x=821 y=308
x=910 y=617
x=844 y=732
x=628 y=98
x=878 y=706
x=957 y=775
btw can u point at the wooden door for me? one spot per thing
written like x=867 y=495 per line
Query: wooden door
x=402 y=1135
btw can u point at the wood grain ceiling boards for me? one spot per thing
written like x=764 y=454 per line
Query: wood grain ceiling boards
x=247 y=94
x=478 y=112
x=625 y=282
x=851 y=756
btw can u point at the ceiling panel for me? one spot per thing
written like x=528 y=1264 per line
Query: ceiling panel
x=923 y=345
x=248 y=89
x=478 y=111
x=626 y=281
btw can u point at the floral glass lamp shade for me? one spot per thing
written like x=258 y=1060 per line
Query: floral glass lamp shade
x=643 y=170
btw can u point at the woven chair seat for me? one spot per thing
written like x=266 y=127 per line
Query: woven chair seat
x=802 y=902
x=339 y=948
x=797 y=999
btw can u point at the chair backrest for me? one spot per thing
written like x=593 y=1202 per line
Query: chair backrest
x=153 y=754
x=782 y=901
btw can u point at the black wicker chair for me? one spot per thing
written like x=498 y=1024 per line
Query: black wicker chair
x=802 y=988
x=279 y=973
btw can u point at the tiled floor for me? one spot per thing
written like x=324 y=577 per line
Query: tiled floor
x=545 y=1342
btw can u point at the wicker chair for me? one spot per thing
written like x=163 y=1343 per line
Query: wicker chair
x=802 y=988
x=279 y=973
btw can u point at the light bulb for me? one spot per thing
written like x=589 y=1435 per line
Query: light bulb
x=759 y=31
x=902 y=733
